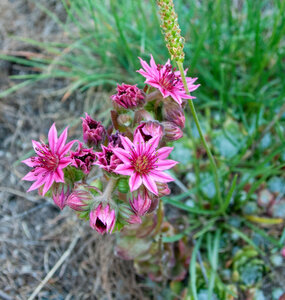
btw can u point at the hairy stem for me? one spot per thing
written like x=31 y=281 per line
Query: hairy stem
x=106 y=196
x=196 y=120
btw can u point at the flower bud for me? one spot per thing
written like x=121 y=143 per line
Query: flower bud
x=60 y=192
x=126 y=215
x=83 y=158
x=163 y=189
x=123 y=185
x=78 y=200
x=140 y=202
x=172 y=112
x=171 y=30
x=128 y=97
x=149 y=130
x=124 y=120
x=107 y=160
x=115 y=140
x=172 y=132
x=134 y=219
x=94 y=133
x=103 y=219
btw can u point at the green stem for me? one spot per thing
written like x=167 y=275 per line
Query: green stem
x=209 y=153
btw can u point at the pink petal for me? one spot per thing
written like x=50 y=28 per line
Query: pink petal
x=124 y=170
x=36 y=145
x=64 y=162
x=48 y=184
x=153 y=66
x=135 y=181
x=61 y=140
x=52 y=138
x=128 y=145
x=58 y=175
x=145 y=66
x=30 y=177
x=162 y=153
x=29 y=162
x=165 y=164
x=152 y=144
x=139 y=142
x=41 y=180
x=122 y=154
x=149 y=183
x=160 y=176
x=66 y=148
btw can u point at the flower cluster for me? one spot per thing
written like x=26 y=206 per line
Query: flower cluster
x=115 y=177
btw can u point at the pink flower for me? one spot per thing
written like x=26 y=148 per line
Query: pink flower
x=141 y=202
x=94 y=133
x=103 y=219
x=149 y=130
x=60 y=192
x=128 y=97
x=50 y=161
x=107 y=159
x=143 y=162
x=167 y=80
x=83 y=158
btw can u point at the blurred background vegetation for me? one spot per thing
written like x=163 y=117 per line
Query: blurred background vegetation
x=237 y=51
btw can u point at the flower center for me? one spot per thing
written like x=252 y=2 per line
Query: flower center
x=45 y=159
x=143 y=164
x=167 y=78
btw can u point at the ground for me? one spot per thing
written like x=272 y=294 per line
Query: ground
x=34 y=234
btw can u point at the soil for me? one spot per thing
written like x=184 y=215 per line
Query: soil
x=35 y=236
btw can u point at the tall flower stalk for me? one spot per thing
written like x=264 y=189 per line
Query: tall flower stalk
x=175 y=43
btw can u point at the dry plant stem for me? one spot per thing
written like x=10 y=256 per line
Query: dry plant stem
x=55 y=267
x=209 y=153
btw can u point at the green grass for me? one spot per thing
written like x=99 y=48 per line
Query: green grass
x=238 y=53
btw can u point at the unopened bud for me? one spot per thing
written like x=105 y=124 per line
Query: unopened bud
x=141 y=202
x=172 y=112
x=149 y=130
x=60 y=193
x=163 y=189
x=103 y=219
x=78 y=200
x=172 y=132
x=128 y=97
x=124 y=120
x=94 y=133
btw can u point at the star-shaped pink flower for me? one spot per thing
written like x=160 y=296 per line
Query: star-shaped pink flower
x=49 y=162
x=143 y=163
x=167 y=80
